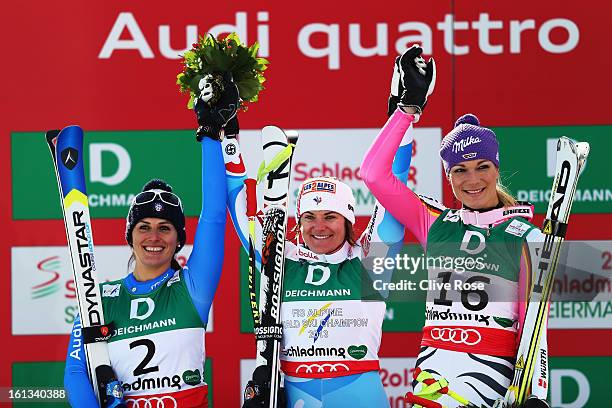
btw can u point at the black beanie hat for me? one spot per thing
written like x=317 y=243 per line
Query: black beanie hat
x=156 y=209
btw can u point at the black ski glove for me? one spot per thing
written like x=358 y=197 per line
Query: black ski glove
x=396 y=88
x=257 y=391
x=232 y=127
x=212 y=119
x=417 y=79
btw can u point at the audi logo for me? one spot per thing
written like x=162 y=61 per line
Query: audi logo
x=321 y=367
x=469 y=337
x=160 y=402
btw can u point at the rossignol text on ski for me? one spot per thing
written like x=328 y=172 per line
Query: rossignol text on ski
x=274 y=174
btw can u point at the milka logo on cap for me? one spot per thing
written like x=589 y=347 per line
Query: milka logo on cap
x=463 y=143
x=319 y=186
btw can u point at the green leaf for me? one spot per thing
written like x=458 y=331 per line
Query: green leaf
x=503 y=322
x=229 y=54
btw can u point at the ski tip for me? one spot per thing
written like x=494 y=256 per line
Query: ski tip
x=72 y=129
x=272 y=132
x=50 y=135
x=292 y=136
x=583 y=149
x=580 y=149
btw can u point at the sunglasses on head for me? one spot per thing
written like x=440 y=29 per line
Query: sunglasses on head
x=164 y=196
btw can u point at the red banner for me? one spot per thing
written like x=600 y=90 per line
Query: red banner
x=112 y=66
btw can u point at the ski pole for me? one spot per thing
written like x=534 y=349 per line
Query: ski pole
x=435 y=389
x=424 y=402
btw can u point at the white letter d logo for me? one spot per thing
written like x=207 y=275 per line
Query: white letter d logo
x=134 y=308
x=467 y=238
x=95 y=166
x=310 y=275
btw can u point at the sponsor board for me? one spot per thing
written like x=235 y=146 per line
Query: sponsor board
x=39 y=375
x=582 y=293
x=50 y=375
x=575 y=382
x=42 y=285
x=527 y=162
x=395 y=373
x=329 y=47
x=126 y=24
x=396 y=376
x=339 y=152
x=118 y=165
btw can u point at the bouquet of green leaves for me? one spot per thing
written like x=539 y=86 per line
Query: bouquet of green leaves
x=207 y=62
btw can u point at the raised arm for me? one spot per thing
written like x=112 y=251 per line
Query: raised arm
x=206 y=261
x=412 y=82
x=203 y=268
x=414 y=212
x=384 y=235
x=235 y=174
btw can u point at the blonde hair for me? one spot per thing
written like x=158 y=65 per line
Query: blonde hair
x=504 y=196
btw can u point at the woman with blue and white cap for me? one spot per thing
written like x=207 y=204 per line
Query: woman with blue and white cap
x=474 y=315
x=332 y=319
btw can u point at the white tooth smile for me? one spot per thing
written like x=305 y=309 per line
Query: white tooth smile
x=474 y=191
x=321 y=236
x=153 y=249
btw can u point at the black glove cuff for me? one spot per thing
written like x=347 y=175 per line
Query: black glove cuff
x=232 y=127
x=392 y=104
x=419 y=111
x=207 y=131
x=416 y=99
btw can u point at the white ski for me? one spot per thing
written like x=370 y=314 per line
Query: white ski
x=571 y=158
x=275 y=177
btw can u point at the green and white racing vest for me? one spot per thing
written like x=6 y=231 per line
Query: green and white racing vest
x=473 y=283
x=157 y=349
x=328 y=330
